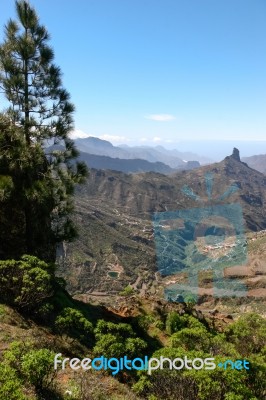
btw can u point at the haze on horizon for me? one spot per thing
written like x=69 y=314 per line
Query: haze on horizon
x=186 y=75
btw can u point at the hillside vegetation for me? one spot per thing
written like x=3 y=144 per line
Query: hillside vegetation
x=154 y=328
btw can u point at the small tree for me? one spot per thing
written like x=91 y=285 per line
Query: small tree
x=40 y=182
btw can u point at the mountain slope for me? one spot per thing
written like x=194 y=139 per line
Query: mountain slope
x=144 y=194
x=115 y=210
x=124 y=165
x=257 y=162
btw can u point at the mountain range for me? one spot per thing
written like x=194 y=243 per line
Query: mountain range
x=125 y=165
x=114 y=212
x=172 y=158
x=132 y=165
x=102 y=154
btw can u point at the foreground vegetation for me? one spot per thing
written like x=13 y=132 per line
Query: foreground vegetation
x=44 y=320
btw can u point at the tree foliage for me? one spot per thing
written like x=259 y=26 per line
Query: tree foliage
x=37 y=172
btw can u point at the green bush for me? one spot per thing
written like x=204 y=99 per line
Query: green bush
x=134 y=347
x=45 y=312
x=174 y=322
x=145 y=321
x=191 y=322
x=13 y=356
x=122 y=329
x=34 y=366
x=192 y=338
x=117 y=340
x=10 y=385
x=37 y=366
x=25 y=283
x=73 y=323
x=109 y=345
x=159 y=324
x=194 y=384
x=127 y=291
x=190 y=301
x=248 y=334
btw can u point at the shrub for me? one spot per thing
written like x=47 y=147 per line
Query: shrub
x=117 y=340
x=174 y=322
x=122 y=329
x=25 y=283
x=37 y=366
x=127 y=291
x=10 y=385
x=134 y=347
x=73 y=323
x=109 y=346
x=30 y=365
x=248 y=334
x=192 y=338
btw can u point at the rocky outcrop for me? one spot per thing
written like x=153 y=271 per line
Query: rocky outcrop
x=235 y=155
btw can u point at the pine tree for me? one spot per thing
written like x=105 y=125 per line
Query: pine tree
x=37 y=165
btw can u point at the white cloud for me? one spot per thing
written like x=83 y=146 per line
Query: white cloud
x=143 y=139
x=157 y=139
x=160 y=117
x=77 y=133
x=114 y=138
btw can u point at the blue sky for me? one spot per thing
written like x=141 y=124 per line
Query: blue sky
x=161 y=71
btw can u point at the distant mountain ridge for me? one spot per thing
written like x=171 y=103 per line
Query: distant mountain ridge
x=172 y=158
x=257 y=162
x=183 y=155
x=124 y=165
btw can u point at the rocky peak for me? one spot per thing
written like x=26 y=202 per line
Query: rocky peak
x=235 y=155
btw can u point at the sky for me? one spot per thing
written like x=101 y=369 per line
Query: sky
x=169 y=72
